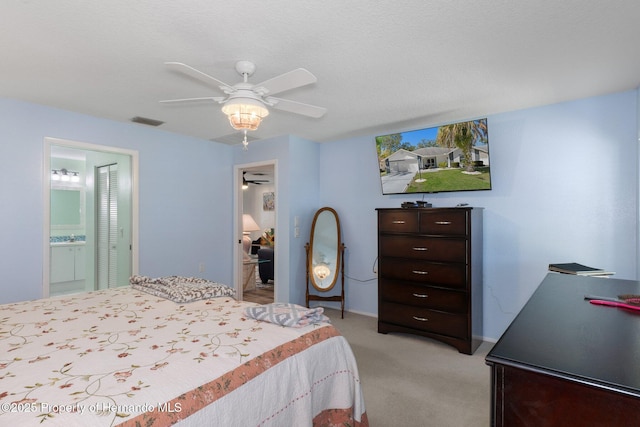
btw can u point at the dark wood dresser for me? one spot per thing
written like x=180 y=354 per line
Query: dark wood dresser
x=566 y=362
x=430 y=274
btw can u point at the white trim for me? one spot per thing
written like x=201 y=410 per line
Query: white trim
x=46 y=227
x=46 y=197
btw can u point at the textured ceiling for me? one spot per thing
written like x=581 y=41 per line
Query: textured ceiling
x=382 y=66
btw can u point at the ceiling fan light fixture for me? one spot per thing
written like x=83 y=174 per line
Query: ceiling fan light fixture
x=245 y=113
x=245 y=104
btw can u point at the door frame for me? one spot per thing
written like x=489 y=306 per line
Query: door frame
x=237 y=218
x=46 y=197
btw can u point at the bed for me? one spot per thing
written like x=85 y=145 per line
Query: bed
x=126 y=357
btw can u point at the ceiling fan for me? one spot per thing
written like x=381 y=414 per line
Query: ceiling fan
x=246 y=104
x=252 y=180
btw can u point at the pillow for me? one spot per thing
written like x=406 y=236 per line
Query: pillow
x=181 y=289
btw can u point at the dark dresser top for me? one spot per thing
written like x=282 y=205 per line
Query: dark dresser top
x=561 y=334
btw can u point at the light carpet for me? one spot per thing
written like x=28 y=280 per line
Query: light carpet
x=414 y=381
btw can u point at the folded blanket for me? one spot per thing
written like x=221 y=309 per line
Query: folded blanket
x=180 y=289
x=291 y=315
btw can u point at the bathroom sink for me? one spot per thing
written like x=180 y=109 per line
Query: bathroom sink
x=68 y=243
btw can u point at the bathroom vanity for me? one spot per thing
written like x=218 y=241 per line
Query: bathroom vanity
x=67 y=267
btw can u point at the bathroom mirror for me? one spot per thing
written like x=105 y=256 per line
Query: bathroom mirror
x=325 y=256
x=66 y=207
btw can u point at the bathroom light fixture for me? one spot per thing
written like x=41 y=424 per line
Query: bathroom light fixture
x=65 y=175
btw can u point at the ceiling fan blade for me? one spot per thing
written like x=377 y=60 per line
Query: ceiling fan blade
x=218 y=99
x=287 y=81
x=297 y=107
x=197 y=74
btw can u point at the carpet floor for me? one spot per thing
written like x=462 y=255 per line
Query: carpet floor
x=414 y=381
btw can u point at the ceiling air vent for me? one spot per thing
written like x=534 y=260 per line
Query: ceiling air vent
x=146 y=121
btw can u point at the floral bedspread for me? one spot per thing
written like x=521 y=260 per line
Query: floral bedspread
x=124 y=357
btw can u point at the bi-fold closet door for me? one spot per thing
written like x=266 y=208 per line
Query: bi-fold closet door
x=107 y=226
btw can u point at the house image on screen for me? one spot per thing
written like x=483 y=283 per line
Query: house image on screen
x=410 y=162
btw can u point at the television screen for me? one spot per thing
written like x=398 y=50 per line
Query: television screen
x=453 y=157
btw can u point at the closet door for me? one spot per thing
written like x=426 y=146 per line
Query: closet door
x=107 y=226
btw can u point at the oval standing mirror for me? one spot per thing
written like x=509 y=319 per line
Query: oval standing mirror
x=325 y=255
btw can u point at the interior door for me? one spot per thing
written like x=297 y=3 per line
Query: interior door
x=107 y=226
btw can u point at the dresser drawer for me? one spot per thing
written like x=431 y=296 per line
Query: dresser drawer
x=427 y=248
x=450 y=222
x=423 y=296
x=445 y=274
x=398 y=221
x=454 y=325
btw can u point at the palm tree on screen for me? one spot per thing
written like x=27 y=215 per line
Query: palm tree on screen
x=463 y=135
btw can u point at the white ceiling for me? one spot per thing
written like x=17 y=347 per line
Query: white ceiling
x=382 y=66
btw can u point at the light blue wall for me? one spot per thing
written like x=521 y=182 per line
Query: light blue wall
x=303 y=185
x=565 y=188
x=185 y=189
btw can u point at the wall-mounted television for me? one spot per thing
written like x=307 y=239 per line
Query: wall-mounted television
x=451 y=157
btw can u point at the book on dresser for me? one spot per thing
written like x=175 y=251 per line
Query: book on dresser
x=578 y=269
x=430 y=274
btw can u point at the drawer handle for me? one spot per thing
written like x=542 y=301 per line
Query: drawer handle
x=420 y=249
x=398 y=221
x=420 y=272
x=421 y=295
x=420 y=319
x=443 y=222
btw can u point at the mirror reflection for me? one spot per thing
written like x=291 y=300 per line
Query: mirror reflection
x=324 y=250
x=66 y=207
x=325 y=256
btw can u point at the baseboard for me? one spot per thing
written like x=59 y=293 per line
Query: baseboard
x=337 y=307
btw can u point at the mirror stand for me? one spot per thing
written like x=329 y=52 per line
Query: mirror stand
x=315 y=297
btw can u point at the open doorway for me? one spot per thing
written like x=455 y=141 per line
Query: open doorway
x=76 y=255
x=256 y=201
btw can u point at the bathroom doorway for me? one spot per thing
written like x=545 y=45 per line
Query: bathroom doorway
x=100 y=250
